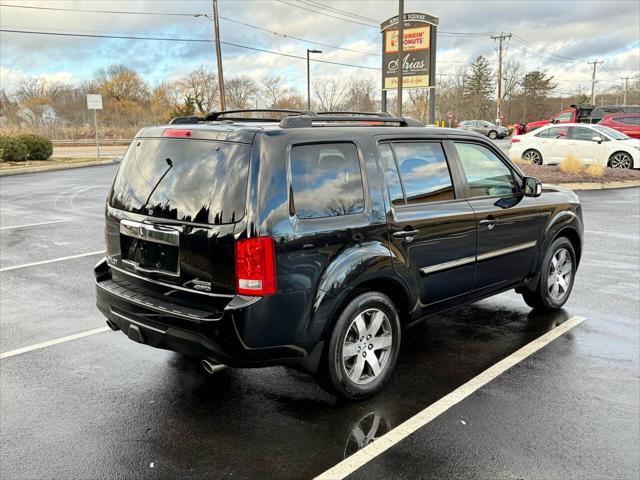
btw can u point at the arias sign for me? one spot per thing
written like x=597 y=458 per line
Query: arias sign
x=418 y=54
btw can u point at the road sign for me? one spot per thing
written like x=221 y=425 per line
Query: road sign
x=94 y=101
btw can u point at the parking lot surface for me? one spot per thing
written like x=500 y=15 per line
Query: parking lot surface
x=102 y=406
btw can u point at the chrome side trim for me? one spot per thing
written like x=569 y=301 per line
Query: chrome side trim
x=140 y=324
x=172 y=287
x=485 y=256
x=448 y=265
x=505 y=251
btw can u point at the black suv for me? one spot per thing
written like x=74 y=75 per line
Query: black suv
x=314 y=241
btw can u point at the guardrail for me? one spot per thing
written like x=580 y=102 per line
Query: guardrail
x=90 y=142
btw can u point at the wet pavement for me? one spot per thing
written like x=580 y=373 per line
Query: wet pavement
x=105 y=407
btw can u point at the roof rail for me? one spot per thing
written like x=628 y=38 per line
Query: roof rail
x=213 y=116
x=185 y=120
x=303 y=121
x=367 y=114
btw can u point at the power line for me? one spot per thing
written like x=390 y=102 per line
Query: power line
x=197 y=40
x=327 y=14
x=540 y=49
x=343 y=12
x=127 y=12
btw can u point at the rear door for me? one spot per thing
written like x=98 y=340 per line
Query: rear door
x=555 y=144
x=172 y=212
x=508 y=223
x=431 y=226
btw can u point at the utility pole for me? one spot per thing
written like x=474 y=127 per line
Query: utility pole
x=216 y=29
x=593 y=80
x=500 y=38
x=400 y=52
x=626 y=88
x=309 y=77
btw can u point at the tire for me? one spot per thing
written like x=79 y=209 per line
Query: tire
x=353 y=377
x=621 y=160
x=551 y=293
x=532 y=156
x=493 y=135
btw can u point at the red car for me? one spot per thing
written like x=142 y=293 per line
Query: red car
x=627 y=123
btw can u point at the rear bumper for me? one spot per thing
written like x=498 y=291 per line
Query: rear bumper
x=198 y=333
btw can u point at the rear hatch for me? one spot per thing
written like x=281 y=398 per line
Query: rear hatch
x=171 y=215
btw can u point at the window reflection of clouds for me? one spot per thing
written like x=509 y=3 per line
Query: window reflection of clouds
x=202 y=185
x=424 y=172
x=326 y=180
x=485 y=172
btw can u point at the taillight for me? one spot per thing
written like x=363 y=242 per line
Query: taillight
x=255 y=266
x=515 y=140
x=177 y=133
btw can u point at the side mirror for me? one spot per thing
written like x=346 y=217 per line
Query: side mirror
x=596 y=139
x=553 y=120
x=531 y=187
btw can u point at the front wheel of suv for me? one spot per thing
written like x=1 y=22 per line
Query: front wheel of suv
x=557 y=273
x=363 y=347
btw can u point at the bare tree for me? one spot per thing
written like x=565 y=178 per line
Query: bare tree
x=330 y=93
x=272 y=90
x=239 y=90
x=360 y=94
x=201 y=86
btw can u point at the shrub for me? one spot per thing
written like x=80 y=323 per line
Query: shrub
x=39 y=148
x=12 y=150
x=518 y=160
x=571 y=164
x=595 y=170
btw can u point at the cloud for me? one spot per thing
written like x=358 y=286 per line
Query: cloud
x=555 y=28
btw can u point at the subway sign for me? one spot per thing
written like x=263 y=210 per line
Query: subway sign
x=418 y=56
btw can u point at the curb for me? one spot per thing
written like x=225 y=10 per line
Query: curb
x=53 y=168
x=600 y=186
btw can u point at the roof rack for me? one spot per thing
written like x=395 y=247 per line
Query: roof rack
x=213 y=116
x=303 y=121
x=185 y=120
x=366 y=114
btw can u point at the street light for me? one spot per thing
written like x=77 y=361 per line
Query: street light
x=309 y=78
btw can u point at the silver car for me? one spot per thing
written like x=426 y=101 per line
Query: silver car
x=485 y=128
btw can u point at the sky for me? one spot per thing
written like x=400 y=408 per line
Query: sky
x=559 y=36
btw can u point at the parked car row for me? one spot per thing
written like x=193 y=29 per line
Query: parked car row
x=593 y=144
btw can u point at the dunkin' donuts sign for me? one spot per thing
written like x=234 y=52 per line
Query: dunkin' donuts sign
x=418 y=56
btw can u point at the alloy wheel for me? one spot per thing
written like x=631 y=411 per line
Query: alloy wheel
x=366 y=347
x=559 y=276
x=620 y=160
x=532 y=157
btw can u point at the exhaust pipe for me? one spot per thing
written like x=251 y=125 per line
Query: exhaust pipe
x=211 y=366
x=112 y=326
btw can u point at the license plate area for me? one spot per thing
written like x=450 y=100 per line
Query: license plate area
x=150 y=249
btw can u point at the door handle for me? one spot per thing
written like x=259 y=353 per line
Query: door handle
x=406 y=234
x=489 y=222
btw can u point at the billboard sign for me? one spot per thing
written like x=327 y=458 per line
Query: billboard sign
x=418 y=60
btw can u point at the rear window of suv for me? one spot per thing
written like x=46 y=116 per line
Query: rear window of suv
x=197 y=181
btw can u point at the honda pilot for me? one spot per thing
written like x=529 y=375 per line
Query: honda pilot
x=315 y=241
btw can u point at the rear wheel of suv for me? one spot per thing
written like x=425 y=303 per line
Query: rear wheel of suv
x=556 y=277
x=363 y=347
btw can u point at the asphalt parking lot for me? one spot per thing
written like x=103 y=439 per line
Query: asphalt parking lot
x=101 y=406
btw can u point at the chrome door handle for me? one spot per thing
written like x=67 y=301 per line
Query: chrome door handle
x=407 y=235
x=489 y=222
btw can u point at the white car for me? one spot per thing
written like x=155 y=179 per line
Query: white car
x=590 y=143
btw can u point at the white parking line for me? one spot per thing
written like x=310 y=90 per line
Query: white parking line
x=361 y=457
x=36 y=224
x=70 y=257
x=50 y=343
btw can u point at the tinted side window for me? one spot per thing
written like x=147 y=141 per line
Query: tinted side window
x=564 y=117
x=581 y=133
x=424 y=172
x=486 y=174
x=558 y=133
x=543 y=133
x=391 y=174
x=326 y=180
x=628 y=120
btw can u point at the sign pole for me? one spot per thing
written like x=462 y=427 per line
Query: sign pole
x=400 y=52
x=433 y=35
x=95 y=122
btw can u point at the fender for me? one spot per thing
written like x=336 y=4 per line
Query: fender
x=356 y=265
